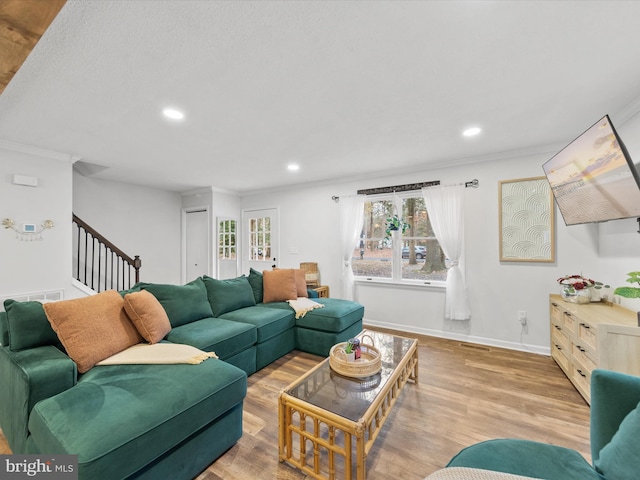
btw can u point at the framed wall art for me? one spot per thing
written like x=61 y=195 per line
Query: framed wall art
x=526 y=213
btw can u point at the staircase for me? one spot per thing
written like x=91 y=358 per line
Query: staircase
x=98 y=263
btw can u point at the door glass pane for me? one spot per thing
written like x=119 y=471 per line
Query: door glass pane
x=260 y=236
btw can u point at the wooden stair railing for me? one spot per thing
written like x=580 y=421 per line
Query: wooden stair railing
x=98 y=263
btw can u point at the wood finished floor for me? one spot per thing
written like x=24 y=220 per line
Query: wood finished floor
x=467 y=393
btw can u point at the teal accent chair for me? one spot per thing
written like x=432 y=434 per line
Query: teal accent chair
x=615 y=444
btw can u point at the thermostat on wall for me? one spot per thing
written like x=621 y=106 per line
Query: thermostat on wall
x=29 y=227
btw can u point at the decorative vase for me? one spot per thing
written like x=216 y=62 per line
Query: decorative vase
x=572 y=295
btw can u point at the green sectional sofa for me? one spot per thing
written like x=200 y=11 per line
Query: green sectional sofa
x=155 y=421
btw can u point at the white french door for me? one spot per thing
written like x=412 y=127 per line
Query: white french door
x=260 y=245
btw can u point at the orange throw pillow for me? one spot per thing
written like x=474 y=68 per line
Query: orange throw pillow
x=147 y=315
x=279 y=285
x=92 y=328
x=301 y=283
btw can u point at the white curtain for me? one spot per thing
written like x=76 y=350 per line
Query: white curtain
x=351 y=213
x=445 y=206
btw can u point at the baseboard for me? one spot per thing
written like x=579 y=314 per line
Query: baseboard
x=86 y=291
x=523 y=347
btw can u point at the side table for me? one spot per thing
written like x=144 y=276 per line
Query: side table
x=323 y=291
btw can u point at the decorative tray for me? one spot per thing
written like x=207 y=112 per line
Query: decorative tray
x=369 y=363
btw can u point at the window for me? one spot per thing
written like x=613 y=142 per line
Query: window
x=227 y=239
x=260 y=238
x=412 y=257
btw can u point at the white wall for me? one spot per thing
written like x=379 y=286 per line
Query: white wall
x=497 y=291
x=146 y=222
x=220 y=205
x=37 y=266
x=138 y=220
x=618 y=242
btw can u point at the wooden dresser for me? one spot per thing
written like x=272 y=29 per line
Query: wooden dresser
x=593 y=335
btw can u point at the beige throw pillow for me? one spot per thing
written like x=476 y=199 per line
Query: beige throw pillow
x=279 y=285
x=147 y=315
x=92 y=328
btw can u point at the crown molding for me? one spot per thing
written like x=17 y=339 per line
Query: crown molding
x=37 y=151
x=199 y=191
x=628 y=112
x=416 y=168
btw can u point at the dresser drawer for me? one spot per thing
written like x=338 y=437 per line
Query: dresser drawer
x=583 y=357
x=556 y=313
x=569 y=322
x=582 y=379
x=559 y=337
x=557 y=353
x=587 y=334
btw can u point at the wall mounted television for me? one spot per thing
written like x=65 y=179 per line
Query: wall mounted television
x=593 y=179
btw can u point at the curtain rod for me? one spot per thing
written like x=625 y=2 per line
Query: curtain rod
x=413 y=186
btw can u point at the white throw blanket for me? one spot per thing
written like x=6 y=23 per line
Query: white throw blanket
x=159 y=354
x=303 y=305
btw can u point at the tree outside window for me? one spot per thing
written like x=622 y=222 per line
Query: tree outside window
x=419 y=253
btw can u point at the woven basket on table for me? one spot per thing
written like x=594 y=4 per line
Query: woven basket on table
x=369 y=363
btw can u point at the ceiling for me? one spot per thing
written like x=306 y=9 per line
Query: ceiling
x=345 y=89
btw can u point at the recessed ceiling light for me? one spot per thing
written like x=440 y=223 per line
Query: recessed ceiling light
x=173 y=114
x=292 y=167
x=471 y=132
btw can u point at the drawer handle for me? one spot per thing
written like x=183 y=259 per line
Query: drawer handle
x=557 y=327
x=580 y=372
x=585 y=326
x=567 y=314
x=554 y=304
x=558 y=347
x=581 y=349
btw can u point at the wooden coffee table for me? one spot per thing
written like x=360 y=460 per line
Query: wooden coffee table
x=322 y=413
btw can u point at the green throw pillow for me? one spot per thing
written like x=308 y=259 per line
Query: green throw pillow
x=28 y=325
x=136 y=288
x=620 y=458
x=229 y=295
x=183 y=303
x=255 y=279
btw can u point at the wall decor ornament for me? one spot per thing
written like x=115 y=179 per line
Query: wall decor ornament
x=29 y=232
x=526 y=213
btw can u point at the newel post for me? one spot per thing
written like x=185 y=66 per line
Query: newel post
x=137 y=263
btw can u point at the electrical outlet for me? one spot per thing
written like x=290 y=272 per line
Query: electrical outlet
x=522 y=316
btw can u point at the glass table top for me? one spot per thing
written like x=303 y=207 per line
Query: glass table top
x=351 y=397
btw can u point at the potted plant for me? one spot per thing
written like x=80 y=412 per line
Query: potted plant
x=632 y=294
x=350 y=354
x=396 y=224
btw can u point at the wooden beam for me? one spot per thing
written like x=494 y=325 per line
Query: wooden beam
x=22 y=24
